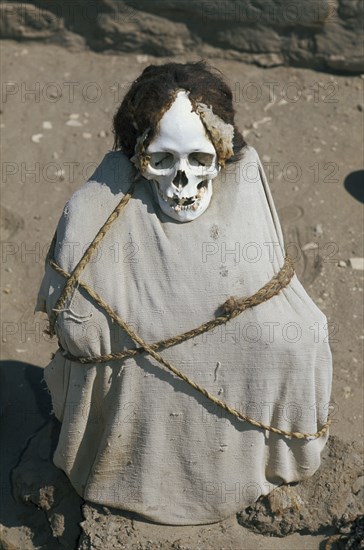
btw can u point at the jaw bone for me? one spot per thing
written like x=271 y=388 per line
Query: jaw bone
x=183 y=203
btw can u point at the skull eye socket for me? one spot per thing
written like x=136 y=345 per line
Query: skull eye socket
x=161 y=160
x=200 y=159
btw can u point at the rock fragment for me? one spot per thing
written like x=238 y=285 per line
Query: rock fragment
x=357 y=263
x=309 y=246
x=318 y=230
x=72 y=122
x=333 y=492
x=36 y=138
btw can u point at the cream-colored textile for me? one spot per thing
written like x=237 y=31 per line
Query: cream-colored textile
x=133 y=435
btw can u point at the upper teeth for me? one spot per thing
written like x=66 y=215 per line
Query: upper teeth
x=177 y=204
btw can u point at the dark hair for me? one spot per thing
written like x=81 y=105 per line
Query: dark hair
x=154 y=91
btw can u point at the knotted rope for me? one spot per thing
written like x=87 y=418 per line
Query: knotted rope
x=230 y=309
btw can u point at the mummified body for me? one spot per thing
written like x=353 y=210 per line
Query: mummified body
x=197 y=230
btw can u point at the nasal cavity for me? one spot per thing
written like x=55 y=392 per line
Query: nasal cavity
x=180 y=179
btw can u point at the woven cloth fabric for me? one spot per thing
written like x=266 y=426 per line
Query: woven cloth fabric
x=133 y=435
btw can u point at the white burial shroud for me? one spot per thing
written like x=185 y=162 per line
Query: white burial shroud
x=133 y=435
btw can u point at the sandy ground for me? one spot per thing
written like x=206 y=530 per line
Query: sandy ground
x=307 y=128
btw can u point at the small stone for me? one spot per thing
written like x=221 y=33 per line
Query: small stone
x=72 y=122
x=55 y=155
x=347 y=392
x=57 y=524
x=102 y=134
x=47 y=125
x=74 y=116
x=309 y=246
x=317 y=150
x=341 y=263
x=87 y=135
x=60 y=174
x=318 y=229
x=345 y=530
x=6 y=290
x=360 y=107
x=356 y=263
x=358 y=485
x=36 y=138
x=262 y=121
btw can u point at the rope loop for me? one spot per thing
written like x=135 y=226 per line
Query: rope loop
x=230 y=309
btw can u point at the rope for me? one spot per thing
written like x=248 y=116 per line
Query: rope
x=73 y=278
x=234 y=307
x=231 y=308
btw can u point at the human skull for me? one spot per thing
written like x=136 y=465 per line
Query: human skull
x=182 y=162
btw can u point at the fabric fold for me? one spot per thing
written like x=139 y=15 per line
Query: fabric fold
x=133 y=435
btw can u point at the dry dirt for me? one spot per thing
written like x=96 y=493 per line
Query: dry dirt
x=308 y=130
